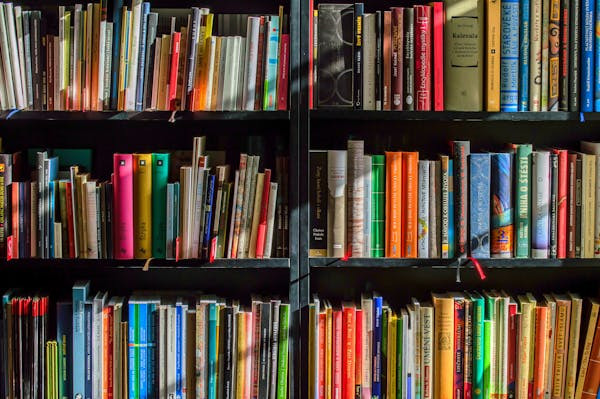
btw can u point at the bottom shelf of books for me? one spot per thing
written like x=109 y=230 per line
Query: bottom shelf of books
x=148 y=344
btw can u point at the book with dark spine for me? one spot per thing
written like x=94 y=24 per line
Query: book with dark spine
x=357 y=65
x=578 y=199
x=265 y=350
x=379 y=60
x=565 y=35
x=571 y=203
x=318 y=203
x=397 y=57
x=408 y=61
x=422 y=57
x=574 y=54
x=461 y=151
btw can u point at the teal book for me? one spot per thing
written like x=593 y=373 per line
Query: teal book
x=522 y=200
x=160 y=176
x=478 y=345
x=378 y=206
x=80 y=294
x=212 y=351
x=133 y=350
x=282 y=363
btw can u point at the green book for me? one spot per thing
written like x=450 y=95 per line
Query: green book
x=523 y=199
x=487 y=376
x=223 y=220
x=160 y=176
x=399 y=354
x=489 y=343
x=282 y=363
x=378 y=206
x=478 y=345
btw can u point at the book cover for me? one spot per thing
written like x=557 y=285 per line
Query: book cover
x=438 y=55
x=394 y=58
x=554 y=47
x=523 y=199
x=378 y=218
x=355 y=193
x=142 y=205
x=160 y=172
x=509 y=56
x=423 y=45
x=393 y=203
x=444 y=345
x=423 y=216
x=502 y=234
x=574 y=53
x=535 y=56
x=358 y=62
x=80 y=295
x=376 y=389
x=479 y=180
x=564 y=56
x=336 y=220
x=540 y=208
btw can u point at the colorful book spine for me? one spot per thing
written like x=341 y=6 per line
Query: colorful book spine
x=80 y=294
x=509 y=56
x=565 y=48
x=596 y=61
x=574 y=53
x=378 y=206
x=563 y=187
x=459 y=346
x=422 y=40
x=358 y=66
x=393 y=190
x=524 y=25
x=142 y=56
x=478 y=334
x=461 y=150
x=133 y=351
x=160 y=175
x=423 y=218
x=142 y=353
x=270 y=85
x=438 y=55
x=447 y=207
x=142 y=209
x=123 y=206
x=523 y=200
x=554 y=46
x=535 y=56
x=410 y=180
x=502 y=234
x=479 y=165
x=376 y=391
x=540 y=208
x=587 y=55
x=493 y=54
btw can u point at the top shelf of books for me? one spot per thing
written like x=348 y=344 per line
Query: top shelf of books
x=152 y=116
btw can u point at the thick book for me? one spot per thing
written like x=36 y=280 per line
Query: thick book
x=564 y=55
x=80 y=295
x=437 y=35
x=369 y=62
x=509 y=56
x=423 y=47
x=393 y=58
x=423 y=210
x=160 y=172
x=358 y=62
x=123 y=205
x=522 y=200
x=318 y=203
x=410 y=202
x=336 y=219
x=502 y=227
x=587 y=339
x=494 y=37
x=461 y=151
x=444 y=345
x=594 y=149
x=355 y=193
x=540 y=205
x=142 y=205
x=393 y=203
x=335 y=60
x=387 y=60
x=479 y=179
x=524 y=35
x=535 y=56
x=588 y=207
x=435 y=209
x=574 y=54
x=554 y=47
x=378 y=192
x=447 y=207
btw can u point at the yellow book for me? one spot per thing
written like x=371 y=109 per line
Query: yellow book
x=260 y=178
x=573 y=346
x=206 y=21
x=123 y=58
x=588 y=204
x=524 y=347
x=391 y=355
x=492 y=66
x=587 y=346
x=142 y=205
x=215 y=74
x=241 y=356
x=532 y=315
x=328 y=350
x=561 y=339
x=444 y=346
x=312 y=310
x=163 y=76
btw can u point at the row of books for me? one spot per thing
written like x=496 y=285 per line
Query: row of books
x=113 y=57
x=144 y=346
x=457 y=345
x=456 y=55
x=211 y=212
x=519 y=203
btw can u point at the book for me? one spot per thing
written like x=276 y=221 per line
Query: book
x=540 y=215
x=502 y=234
x=336 y=221
x=509 y=56
x=480 y=169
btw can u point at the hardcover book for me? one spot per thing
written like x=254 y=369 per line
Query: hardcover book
x=318 y=203
x=502 y=235
x=479 y=178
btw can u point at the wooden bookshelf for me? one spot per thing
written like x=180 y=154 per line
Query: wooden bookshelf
x=148 y=116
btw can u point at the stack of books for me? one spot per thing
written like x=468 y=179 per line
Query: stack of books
x=519 y=203
x=458 y=345
x=456 y=55
x=114 y=57
x=209 y=211
x=146 y=346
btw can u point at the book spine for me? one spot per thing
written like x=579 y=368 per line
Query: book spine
x=524 y=55
x=586 y=349
x=358 y=62
x=571 y=201
x=359 y=356
x=444 y=353
x=336 y=221
x=408 y=61
x=376 y=391
x=553 y=57
x=123 y=201
x=574 y=54
x=423 y=44
x=588 y=205
x=348 y=354
x=438 y=55
x=396 y=62
x=142 y=205
x=388 y=54
x=355 y=197
x=133 y=351
x=160 y=172
x=565 y=61
x=540 y=351
x=461 y=150
x=174 y=67
x=540 y=212
x=479 y=165
x=478 y=335
x=493 y=54
x=545 y=53
x=410 y=180
x=378 y=206
x=562 y=189
x=423 y=218
x=502 y=237
x=283 y=75
x=282 y=363
x=535 y=56
x=523 y=202
x=378 y=60
x=337 y=355
x=587 y=55
x=509 y=56
x=271 y=62
x=459 y=351
x=578 y=207
x=434 y=209
x=572 y=347
x=318 y=209
x=445 y=214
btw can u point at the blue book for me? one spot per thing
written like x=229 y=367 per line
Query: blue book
x=89 y=369
x=208 y=216
x=152 y=351
x=80 y=294
x=271 y=54
x=451 y=241
x=479 y=192
x=509 y=56
x=178 y=349
x=524 y=56
x=143 y=363
x=377 y=330
x=139 y=98
x=597 y=59
x=64 y=335
x=501 y=189
x=133 y=349
x=51 y=174
x=212 y=351
x=51 y=207
x=116 y=18
x=587 y=55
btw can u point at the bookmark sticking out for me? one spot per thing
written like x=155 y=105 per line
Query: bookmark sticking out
x=9 y=247
x=147 y=264
x=478 y=267
x=347 y=254
x=172 y=117
x=213 y=249
x=581 y=117
x=11 y=113
x=177 y=245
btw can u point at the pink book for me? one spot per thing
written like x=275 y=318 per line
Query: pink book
x=282 y=76
x=264 y=208
x=423 y=58
x=438 y=55
x=123 y=206
x=176 y=40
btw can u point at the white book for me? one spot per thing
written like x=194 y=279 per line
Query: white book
x=356 y=196
x=92 y=222
x=423 y=217
x=368 y=166
x=240 y=74
x=589 y=147
x=434 y=209
x=251 y=63
x=157 y=46
x=28 y=58
x=102 y=52
x=540 y=206
x=97 y=343
x=369 y=60
x=270 y=221
x=336 y=217
x=535 y=56
x=87 y=99
x=225 y=44
x=171 y=352
x=232 y=213
x=62 y=57
x=184 y=338
x=108 y=46
x=14 y=56
x=545 y=22
x=161 y=351
x=77 y=45
x=21 y=49
x=7 y=87
x=210 y=70
x=406 y=343
x=231 y=62
x=57 y=74
x=134 y=50
x=367 y=339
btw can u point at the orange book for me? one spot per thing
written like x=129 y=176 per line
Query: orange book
x=493 y=33
x=107 y=363
x=443 y=305
x=541 y=316
x=337 y=355
x=410 y=202
x=561 y=345
x=348 y=345
x=592 y=377
x=393 y=204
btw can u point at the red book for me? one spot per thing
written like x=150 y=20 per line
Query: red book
x=311 y=38
x=123 y=206
x=563 y=183
x=337 y=355
x=322 y=327
x=423 y=57
x=107 y=331
x=262 y=221
x=571 y=203
x=348 y=347
x=283 y=75
x=70 y=230
x=15 y=219
x=260 y=78
x=397 y=57
x=512 y=348
x=358 y=351
x=438 y=55
x=459 y=344
x=175 y=42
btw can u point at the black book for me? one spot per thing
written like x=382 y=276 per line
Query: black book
x=379 y=61
x=460 y=153
x=357 y=66
x=36 y=60
x=335 y=55
x=385 y=314
x=275 y=305
x=318 y=204
x=265 y=350
x=578 y=187
x=574 y=56
x=553 y=205
x=409 y=59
